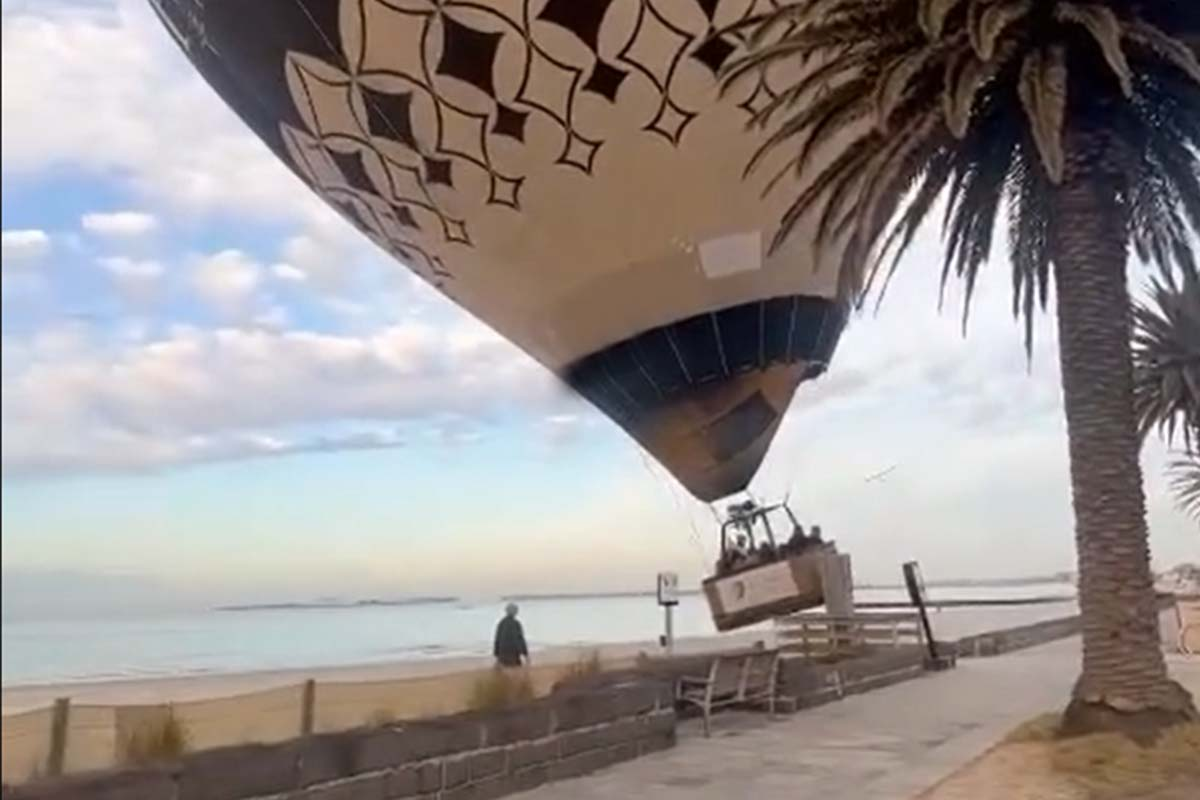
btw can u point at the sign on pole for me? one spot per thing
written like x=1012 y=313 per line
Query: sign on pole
x=668 y=589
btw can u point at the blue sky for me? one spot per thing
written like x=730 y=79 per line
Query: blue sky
x=214 y=386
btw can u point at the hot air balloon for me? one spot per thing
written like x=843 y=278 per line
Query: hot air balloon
x=567 y=171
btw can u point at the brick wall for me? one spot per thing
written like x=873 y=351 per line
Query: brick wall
x=463 y=757
x=995 y=643
x=1018 y=638
x=813 y=683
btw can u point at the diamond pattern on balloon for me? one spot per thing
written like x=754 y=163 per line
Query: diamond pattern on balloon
x=581 y=17
x=670 y=122
x=714 y=52
x=579 y=152
x=390 y=115
x=605 y=80
x=510 y=122
x=462 y=134
x=328 y=104
x=655 y=47
x=505 y=191
x=468 y=54
x=350 y=165
x=351 y=210
x=757 y=101
x=439 y=170
x=310 y=158
x=455 y=231
x=709 y=7
x=406 y=184
x=438 y=268
x=392 y=38
x=549 y=85
x=404 y=216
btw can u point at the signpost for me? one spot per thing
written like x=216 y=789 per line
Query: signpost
x=916 y=593
x=668 y=598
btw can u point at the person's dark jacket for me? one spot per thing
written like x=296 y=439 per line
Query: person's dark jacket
x=510 y=643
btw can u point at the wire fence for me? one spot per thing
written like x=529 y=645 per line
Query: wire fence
x=67 y=738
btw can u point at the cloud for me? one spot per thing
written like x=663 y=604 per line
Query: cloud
x=119 y=223
x=106 y=91
x=136 y=280
x=276 y=318
x=21 y=247
x=71 y=403
x=128 y=451
x=564 y=428
x=288 y=273
x=331 y=254
x=227 y=281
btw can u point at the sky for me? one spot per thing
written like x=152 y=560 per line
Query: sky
x=215 y=389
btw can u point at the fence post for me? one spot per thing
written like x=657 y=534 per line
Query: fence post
x=308 y=701
x=58 y=737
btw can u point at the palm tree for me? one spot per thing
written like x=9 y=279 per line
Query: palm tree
x=1166 y=375
x=1082 y=121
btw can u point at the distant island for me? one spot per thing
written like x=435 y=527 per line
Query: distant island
x=1061 y=577
x=1058 y=577
x=408 y=601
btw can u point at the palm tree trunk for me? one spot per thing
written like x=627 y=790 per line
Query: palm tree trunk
x=1123 y=667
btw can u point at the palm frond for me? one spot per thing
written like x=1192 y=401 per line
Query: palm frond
x=983 y=91
x=1104 y=26
x=1166 y=352
x=1185 y=484
x=1043 y=92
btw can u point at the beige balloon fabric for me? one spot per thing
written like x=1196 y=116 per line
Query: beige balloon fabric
x=567 y=171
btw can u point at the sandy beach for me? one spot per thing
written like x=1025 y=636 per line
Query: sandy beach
x=266 y=706
x=948 y=624
x=192 y=688
x=224 y=707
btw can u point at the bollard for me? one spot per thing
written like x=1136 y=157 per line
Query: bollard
x=58 y=737
x=308 y=703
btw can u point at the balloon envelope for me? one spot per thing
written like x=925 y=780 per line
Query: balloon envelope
x=568 y=171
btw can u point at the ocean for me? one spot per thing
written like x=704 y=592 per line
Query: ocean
x=221 y=642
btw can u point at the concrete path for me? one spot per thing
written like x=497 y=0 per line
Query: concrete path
x=887 y=744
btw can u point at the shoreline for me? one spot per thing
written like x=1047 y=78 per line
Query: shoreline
x=951 y=618
x=21 y=698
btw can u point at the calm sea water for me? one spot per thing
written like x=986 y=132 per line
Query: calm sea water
x=207 y=642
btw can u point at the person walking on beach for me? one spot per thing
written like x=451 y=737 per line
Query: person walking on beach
x=510 y=647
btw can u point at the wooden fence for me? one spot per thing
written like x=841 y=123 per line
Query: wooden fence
x=828 y=634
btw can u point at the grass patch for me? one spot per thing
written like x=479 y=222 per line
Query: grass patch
x=1042 y=728
x=500 y=689
x=1113 y=765
x=1108 y=766
x=162 y=738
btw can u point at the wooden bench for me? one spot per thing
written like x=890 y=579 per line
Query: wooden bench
x=732 y=680
x=1187 y=612
x=825 y=634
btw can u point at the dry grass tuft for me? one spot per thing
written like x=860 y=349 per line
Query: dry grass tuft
x=582 y=668
x=500 y=689
x=163 y=738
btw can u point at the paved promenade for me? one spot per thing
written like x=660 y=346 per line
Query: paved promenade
x=888 y=744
